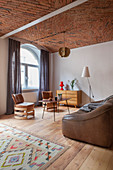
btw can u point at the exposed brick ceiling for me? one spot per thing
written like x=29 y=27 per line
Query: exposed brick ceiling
x=86 y=24
x=16 y=13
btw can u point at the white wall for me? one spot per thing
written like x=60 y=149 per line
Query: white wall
x=3 y=74
x=99 y=59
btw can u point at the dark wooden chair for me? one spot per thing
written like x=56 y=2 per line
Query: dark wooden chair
x=22 y=109
x=48 y=95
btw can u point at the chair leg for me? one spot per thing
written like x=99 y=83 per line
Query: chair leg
x=43 y=113
x=54 y=111
x=43 y=110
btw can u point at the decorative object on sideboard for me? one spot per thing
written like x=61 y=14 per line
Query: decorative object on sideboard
x=59 y=96
x=64 y=51
x=61 y=85
x=67 y=87
x=85 y=73
x=55 y=98
x=72 y=83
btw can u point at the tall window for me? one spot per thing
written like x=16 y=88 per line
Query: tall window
x=29 y=67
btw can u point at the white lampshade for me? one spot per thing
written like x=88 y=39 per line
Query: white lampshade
x=85 y=72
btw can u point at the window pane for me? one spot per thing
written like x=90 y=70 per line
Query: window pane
x=27 y=57
x=23 y=76
x=33 y=77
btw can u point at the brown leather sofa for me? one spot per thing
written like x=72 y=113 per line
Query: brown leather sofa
x=95 y=127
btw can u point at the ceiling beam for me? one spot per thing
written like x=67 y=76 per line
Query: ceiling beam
x=45 y=17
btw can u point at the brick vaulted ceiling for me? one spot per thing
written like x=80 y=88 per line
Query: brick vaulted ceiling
x=86 y=24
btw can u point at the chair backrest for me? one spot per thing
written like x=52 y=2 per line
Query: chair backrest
x=47 y=94
x=17 y=98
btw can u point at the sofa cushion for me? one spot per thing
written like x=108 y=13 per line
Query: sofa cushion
x=92 y=106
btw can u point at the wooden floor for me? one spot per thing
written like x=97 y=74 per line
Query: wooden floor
x=79 y=155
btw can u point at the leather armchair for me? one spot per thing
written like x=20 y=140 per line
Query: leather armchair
x=47 y=95
x=22 y=109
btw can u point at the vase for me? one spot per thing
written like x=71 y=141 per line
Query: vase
x=72 y=88
x=59 y=96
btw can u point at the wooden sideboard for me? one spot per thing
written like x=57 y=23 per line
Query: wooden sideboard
x=75 y=97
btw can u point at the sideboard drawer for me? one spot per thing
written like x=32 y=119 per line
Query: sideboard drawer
x=71 y=92
x=73 y=99
x=73 y=103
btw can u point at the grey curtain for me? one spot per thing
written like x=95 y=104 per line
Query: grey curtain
x=44 y=74
x=14 y=74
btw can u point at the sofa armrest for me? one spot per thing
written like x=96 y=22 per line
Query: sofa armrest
x=82 y=115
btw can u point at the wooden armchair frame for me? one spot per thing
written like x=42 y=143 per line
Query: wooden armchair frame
x=22 y=109
x=47 y=95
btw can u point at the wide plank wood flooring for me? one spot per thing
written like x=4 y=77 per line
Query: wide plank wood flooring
x=79 y=155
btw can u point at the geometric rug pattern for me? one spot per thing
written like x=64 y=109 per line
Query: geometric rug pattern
x=22 y=151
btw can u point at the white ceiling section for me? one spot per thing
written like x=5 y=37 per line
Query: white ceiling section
x=45 y=17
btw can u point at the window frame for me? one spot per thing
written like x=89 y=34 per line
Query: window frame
x=26 y=65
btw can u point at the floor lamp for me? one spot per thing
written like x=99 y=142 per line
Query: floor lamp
x=85 y=73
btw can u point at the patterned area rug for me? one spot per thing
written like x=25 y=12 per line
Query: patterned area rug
x=22 y=151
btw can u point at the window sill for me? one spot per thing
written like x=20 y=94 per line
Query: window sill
x=29 y=90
